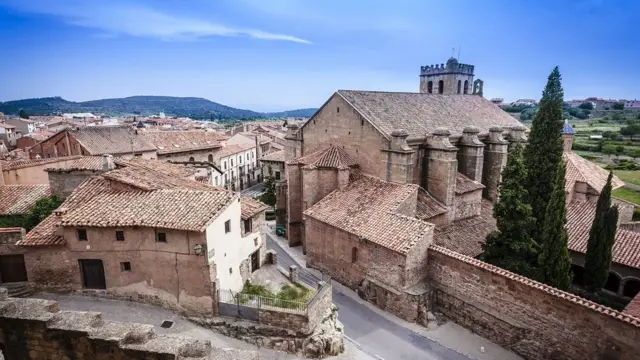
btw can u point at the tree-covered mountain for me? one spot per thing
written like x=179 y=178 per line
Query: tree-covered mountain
x=197 y=108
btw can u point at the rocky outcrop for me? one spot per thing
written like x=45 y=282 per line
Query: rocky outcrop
x=327 y=338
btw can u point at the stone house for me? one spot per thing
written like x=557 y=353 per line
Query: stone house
x=138 y=233
x=273 y=165
x=180 y=146
x=24 y=126
x=32 y=171
x=8 y=134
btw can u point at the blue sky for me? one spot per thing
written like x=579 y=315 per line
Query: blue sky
x=271 y=55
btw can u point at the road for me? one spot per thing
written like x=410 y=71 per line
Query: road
x=252 y=191
x=375 y=334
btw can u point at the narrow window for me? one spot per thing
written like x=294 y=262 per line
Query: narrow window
x=338 y=109
x=277 y=175
x=125 y=266
x=239 y=159
x=161 y=237
x=354 y=255
x=210 y=158
x=440 y=87
x=230 y=271
x=247 y=226
x=119 y=235
x=459 y=86
x=255 y=241
x=82 y=235
x=466 y=86
x=247 y=156
x=227 y=226
x=231 y=160
x=225 y=165
x=430 y=87
x=191 y=159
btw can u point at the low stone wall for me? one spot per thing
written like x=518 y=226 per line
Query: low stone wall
x=37 y=329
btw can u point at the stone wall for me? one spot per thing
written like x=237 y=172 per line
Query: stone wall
x=533 y=320
x=34 y=173
x=468 y=204
x=37 y=329
x=9 y=236
x=319 y=304
x=62 y=183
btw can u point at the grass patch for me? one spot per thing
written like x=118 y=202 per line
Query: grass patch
x=629 y=176
x=289 y=296
x=627 y=194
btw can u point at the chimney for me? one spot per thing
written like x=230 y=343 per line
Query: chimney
x=442 y=168
x=495 y=158
x=567 y=136
x=107 y=163
x=471 y=154
x=399 y=158
x=516 y=136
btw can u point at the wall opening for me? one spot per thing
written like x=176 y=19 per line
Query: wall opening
x=440 y=87
x=354 y=255
x=466 y=86
x=613 y=283
x=430 y=87
x=631 y=288
x=459 y=86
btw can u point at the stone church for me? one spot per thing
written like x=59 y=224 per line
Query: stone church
x=374 y=176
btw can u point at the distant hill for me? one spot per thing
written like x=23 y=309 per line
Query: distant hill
x=197 y=108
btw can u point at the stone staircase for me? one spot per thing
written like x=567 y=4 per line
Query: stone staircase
x=18 y=289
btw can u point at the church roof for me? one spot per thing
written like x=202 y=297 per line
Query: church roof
x=567 y=128
x=580 y=169
x=330 y=157
x=420 y=114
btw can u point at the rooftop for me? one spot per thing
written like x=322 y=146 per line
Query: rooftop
x=18 y=199
x=232 y=149
x=633 y=308
x=330 y=157
x=466 y=236
x=465 y=185
x=250 y=207
x=580 y=169
x=275 y=156
x=168 y=142
x=420 y=114
x=19 y=164
x=367 y=208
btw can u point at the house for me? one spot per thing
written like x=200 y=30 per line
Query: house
x=24 y=126
x=239 y=167
x=8 y=134
x=141 y=233
x=26 y=172
x=273 y=165
x=184 y=145
x=632 y=104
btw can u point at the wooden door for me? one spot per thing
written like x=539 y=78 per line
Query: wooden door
x=255 y=261
x=12 y=268
x=93 y=274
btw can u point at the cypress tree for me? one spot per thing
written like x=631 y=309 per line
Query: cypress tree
x=601 y=239
x=511 y=247
x=554 y=262
x=544 y=150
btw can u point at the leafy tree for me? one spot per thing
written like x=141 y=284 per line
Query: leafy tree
x=638 y=116
x=601 y=238
x=554 y=261
x=619 y=150
x=23 y=114
x=634 y=153
x=43 y=208
x=544 y=151
x=630 y=130
x=609 y=149
x=586 y=106
x=269 y=191
x=618 y=106
x=511 y=247
x=618 y=117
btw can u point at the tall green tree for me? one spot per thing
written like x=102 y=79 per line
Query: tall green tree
x=554 y=262
x=23 y=114
x=601 y=239
x=511 y=247
x=544 y=150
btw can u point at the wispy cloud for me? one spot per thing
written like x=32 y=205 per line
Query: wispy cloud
x=119 y=18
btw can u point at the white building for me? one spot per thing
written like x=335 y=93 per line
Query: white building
x=238 y=164
x=8 y=134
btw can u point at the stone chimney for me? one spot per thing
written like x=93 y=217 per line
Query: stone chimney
x=107 y=163
x=495 y=158
x=442 y=168
x=517 y=136
x=293 y=174
x=293 y=143
x=399 y=158
x=567 y=136
x=471 y=154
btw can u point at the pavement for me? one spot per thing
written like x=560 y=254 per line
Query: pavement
x=384 y=336
x=252 y=191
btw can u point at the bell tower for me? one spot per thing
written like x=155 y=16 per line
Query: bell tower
x=452 y=78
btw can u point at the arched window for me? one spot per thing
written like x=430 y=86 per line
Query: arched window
x=191 y=159
x=578 y=275
x=466 y=86
x=631 y=287
x=354 y=254
x=440 y=87
x=210 y=158
x=459 y=86
x=430 y=87
x=613 y=283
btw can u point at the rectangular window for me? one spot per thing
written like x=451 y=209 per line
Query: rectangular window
x=277 y=175
x=82 y=235
x=125 y=266
x=247 y=226
x=247 y=156
x=231 y=160
x=161 y=237
x=239 y=159
x=224 y=164
x=227 y=226
x=119 y=235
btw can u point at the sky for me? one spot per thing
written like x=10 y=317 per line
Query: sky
x=273 y=55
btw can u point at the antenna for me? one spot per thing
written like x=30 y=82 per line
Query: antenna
x=453 y=52
x=459 y=48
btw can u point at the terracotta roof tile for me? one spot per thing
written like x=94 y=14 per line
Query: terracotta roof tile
x=466 y=236
x=580 y=169
x=100 y=140
x=19 y=164
x=11 y=229
x=251 y=207
x=18 y=199
x=170 y=209
x=420 y=114
x=626 y=249
x=465 y=185
x=633 y=308
x=427 y=206
x=330 y=157
x=275 y=156
x=150 y=179
x=160 y=166
x=534 y=284
x=93 y=163
x=168 y=142
x=367 y=208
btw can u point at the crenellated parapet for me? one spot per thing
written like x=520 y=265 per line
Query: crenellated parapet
x=451 y=67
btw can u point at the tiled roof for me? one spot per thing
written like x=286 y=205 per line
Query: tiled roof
x=149 y=179
x=11 y=229
x=168 y=142
x=465 y=185
x=250 y=207
x=330 y=157
x=160 y=166
x=427 y=206
x=276 y=146
x=580 y=169
x=561 y=295
x=170 y=209
x=19 y=164
x=367 y=208
x=466 y=236
x=93 y=163
x=231 y=149
x=18 y=199
x=567 y=128
x=99 y=140
x=275 y=156
x=633 y=308
x=580 y=214
x=420 y=114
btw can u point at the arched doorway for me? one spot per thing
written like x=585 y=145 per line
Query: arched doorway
x=613 y=282
x=631 y=287
x=459 y=86
x=210 y=158
x=578 y=275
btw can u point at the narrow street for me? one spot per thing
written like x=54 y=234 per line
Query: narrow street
x=376 y=335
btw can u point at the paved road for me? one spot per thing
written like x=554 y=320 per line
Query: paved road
x=376 y=335
x=253 y=191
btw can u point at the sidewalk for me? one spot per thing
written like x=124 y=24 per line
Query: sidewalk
x=449 y=335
